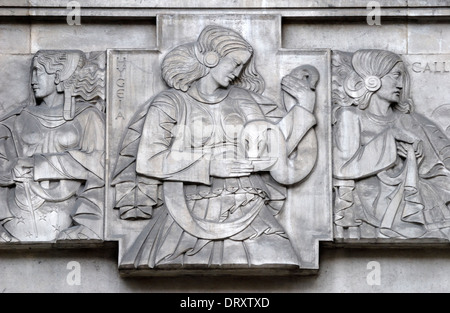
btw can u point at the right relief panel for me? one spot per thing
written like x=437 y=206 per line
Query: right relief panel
x=391 y=147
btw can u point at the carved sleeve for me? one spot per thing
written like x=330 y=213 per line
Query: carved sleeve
x=162 y=152
x=352 y=158
x=57 y=166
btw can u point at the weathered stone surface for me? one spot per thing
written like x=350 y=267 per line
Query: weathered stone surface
x=21 y=34
x=15 y=81
x=341 y=271
x=430 y=82
x=92 y=37
x=425 y=3
x=284 y=35
x=391 y=174
x=298 y=221
x=18 y=3
x=345 y=36
x=213 y=3
x=429 y=38
x=132 y=75
x=52 y=149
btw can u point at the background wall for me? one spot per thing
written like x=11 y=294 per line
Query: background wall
x=407 y=27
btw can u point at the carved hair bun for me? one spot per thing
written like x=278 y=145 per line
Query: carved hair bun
x=372 y=83
x=211 y=59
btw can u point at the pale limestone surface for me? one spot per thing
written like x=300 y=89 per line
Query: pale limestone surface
x=342 y=271
x=422 y=41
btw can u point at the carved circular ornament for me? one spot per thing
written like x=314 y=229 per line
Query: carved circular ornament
x=211 y=59
x=373 y=83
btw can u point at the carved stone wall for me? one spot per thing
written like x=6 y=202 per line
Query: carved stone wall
x=240 y=140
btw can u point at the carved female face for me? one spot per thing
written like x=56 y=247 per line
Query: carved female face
x=392 y=85
x=230 y=67
x=43 y=84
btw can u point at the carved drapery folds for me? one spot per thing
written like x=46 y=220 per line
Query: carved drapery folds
x=52 y=152
x=208 y=161
x=391 y=165
x=209 y=171
x=223 y=151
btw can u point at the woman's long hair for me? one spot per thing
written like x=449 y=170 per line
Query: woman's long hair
x=184 y=64
x=370 y=66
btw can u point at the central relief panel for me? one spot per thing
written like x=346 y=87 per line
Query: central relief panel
x=218 y=150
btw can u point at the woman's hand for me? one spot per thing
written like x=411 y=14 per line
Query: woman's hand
x=405 y=140
x=23 y=170
x=300 y=91
x=402 y=149
x=227 y=168
x=264 y=165
x=403 y=135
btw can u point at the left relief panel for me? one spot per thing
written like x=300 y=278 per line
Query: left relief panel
x=52 y=147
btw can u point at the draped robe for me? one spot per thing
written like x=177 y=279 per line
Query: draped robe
x=213 y=221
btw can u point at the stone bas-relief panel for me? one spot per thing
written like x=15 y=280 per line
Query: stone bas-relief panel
x=52 y=151
x=219 y=148
x=132 y=75
x=391 y=147
x=206 y=167
x=15 y=80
